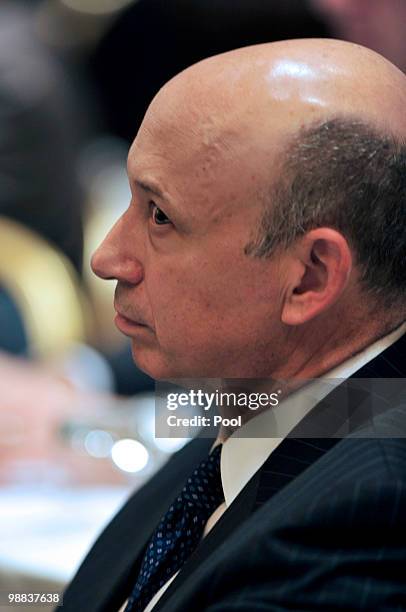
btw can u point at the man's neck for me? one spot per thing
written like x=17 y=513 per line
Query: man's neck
x=286 y=380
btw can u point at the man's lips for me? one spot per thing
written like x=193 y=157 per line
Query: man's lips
x=127 y=325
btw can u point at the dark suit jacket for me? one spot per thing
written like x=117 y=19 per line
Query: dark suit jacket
x=320 y=526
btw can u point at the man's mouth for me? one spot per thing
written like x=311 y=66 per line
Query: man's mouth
x=127 y=325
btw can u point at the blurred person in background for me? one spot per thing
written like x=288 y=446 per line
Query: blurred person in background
x=40 y=130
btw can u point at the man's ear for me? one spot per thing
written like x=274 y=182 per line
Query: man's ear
x=321 y=267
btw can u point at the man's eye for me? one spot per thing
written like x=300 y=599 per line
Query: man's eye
x=158 y=215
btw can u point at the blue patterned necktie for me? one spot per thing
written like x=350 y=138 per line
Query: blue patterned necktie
x=179 y=531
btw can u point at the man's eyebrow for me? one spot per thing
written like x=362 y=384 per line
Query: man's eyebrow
x=150 y=188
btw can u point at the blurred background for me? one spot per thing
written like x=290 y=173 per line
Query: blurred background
x=76 y=76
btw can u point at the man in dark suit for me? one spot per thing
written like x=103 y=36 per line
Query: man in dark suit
x=265 y=240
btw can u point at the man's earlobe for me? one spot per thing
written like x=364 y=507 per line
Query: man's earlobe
x=324 y=266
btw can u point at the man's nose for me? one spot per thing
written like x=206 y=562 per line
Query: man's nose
x=114 y=258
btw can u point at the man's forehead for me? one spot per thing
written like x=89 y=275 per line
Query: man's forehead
x=199 y=118
x=188 y=139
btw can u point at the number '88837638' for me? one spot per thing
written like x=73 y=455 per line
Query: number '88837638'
x=33 y=598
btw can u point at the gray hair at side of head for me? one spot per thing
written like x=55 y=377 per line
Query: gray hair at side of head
x=343 y=174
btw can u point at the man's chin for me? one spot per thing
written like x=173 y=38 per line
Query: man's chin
x=151 y=363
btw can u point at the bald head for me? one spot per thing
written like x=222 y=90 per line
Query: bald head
x=279 y=87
